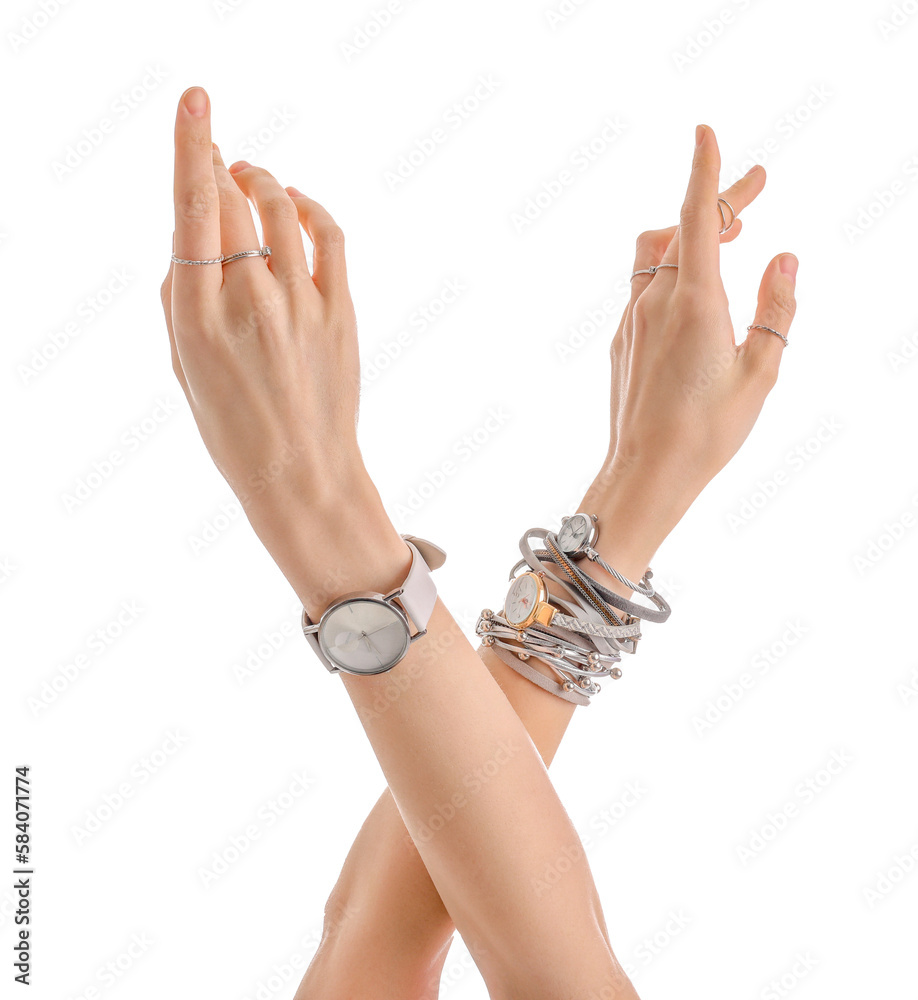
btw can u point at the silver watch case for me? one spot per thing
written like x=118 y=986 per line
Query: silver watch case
x=315 y=631
x=586 y=545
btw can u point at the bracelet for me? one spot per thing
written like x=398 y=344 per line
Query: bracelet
x=584 y=636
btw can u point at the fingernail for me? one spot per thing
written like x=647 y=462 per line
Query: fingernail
x=239 y=165
x=752 y=169
x=700 y=131
x=196 y=101
x=789 y=265
x=296 y=192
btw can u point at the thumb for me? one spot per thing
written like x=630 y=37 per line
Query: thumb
x=775 y=309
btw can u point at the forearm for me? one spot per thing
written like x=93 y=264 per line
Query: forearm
x=468 y=781
x=396 y=912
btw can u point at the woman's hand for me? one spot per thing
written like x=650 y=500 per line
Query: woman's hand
x=267 y=356
x=684 y=394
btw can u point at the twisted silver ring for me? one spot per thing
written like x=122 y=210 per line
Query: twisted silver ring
x=758 y=326
x=651 y=270
x=723 y=218
x=263 y=252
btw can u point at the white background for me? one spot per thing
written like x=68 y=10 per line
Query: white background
x=823 y=95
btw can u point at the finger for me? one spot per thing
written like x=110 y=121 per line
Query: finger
x=699 y=223
x=166 y=296
x=237 y=227
x=279 y=219
x=197 y=213
x=329 y=268
x=777 y=304
x=649 y=251
x=738 y=196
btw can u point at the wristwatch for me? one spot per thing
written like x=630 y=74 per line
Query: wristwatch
x=527 y=604
x=577 y=537
x=368 y=633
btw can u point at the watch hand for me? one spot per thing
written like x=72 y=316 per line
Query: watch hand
x=373 y=646
x=381 y=627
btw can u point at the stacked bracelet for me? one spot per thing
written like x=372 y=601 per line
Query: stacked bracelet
x=580 y=637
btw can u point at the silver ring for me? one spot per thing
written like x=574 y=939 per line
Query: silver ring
x=723 y=218
x=263 y=252
x=651 y=270
x=758 y=326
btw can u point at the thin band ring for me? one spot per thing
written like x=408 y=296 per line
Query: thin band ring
x=263 y=252
x=758 y=326
x=651 y=270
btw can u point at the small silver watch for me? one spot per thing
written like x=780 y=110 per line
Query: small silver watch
x=577 y=537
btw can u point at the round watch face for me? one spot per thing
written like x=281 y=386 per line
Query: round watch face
x=522 y=599
x=574 y=533
x=363 y=636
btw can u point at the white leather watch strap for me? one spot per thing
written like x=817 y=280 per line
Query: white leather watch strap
x=419 y=592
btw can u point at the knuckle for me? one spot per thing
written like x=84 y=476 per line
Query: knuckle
x=653 y=242
x=639 y=310
x=784 y=301
x=331 y=236
x=280 y=206
x=197 y=203
x=692 y=300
